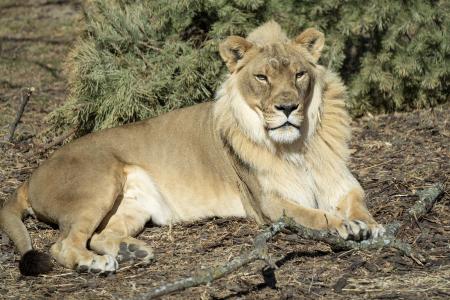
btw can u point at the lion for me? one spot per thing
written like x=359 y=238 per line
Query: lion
x=273 y=142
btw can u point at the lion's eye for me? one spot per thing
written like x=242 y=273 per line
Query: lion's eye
x=300 y=75
x=261 y=77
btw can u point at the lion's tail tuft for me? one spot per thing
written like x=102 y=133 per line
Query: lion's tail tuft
x=34 y=263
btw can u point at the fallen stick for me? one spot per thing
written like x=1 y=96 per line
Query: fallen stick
x=260 y=253
x=427 y=198
x=209 y=275
x=336 y=243
x=55 y=142
x=25 y=97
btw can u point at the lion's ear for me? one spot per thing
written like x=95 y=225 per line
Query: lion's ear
x=233 y=49
x=313 y=40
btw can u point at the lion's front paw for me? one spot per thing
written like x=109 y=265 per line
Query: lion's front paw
x=353 y=230
x=376 y=230
x=358 y=230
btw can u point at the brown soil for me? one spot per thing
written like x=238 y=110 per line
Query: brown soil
x=394 y=155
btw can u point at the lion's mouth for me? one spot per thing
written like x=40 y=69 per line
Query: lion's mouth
x=286 y=124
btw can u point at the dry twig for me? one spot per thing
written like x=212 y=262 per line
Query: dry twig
x=25 y=97
x=260 y=253
x=55 y=142
x=427 y=198
x=209 y=275
x=336 y=243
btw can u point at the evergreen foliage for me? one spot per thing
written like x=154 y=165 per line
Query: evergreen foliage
x=137 y=59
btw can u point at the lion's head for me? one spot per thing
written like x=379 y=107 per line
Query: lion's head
x=276 y=79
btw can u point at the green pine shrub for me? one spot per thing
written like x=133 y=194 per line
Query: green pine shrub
x=137 y=59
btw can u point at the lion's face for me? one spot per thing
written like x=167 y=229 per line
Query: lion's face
x=276 y=81
x=276 y=84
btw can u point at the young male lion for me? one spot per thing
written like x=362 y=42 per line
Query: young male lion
x=274 y=141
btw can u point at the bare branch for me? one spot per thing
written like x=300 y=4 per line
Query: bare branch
x=25 y=97
x=55 y=142
x=427 y=198
x=260 y=253
x=336 y=243
x=209 y=275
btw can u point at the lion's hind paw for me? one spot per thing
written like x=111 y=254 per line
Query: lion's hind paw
x=135 y=251
x=99 y=264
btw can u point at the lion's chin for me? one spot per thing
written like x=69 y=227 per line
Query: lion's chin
x=284 y=135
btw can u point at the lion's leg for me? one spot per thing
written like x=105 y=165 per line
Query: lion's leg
x=353 y=207
x=80 y=210
x=275 y=206
x=341 y=195
x=70 y=249
x=117 y=240
x=141 y=202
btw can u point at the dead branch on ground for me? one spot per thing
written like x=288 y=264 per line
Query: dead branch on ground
x=427 y=198
x=209 y=275
x=25 y=97
x=43 y=148
x=337 y=243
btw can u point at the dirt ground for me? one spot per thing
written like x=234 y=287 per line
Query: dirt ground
x=394 y=156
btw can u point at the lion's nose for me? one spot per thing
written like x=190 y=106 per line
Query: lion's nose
x=286 y=108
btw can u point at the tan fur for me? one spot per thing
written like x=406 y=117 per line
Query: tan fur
x=273 y=142
x=10 y=219
x=267 y=33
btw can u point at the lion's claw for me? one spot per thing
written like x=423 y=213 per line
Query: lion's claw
x=358 y=230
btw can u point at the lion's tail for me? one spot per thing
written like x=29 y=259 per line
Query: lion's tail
x=32 y=262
